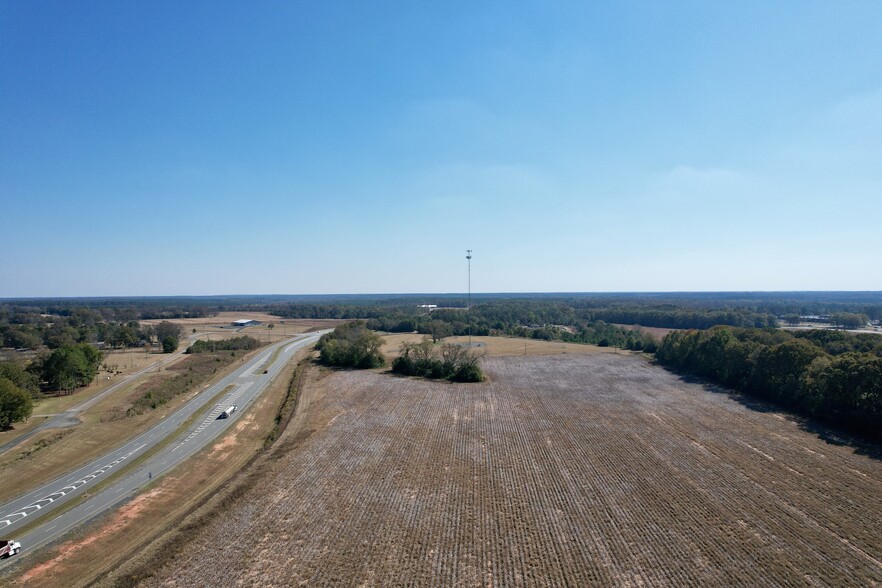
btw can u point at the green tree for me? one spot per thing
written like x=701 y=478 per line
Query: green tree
x=16 y=405
x=22 y=378
x=779 y=369
x=849 y=389
x=20 y=338
x=169 y=335
x=438 y=330
x=351 y=345
x=454 y=362
x=169 y=344
x=849 y=320
x=59 y=335
x=71 y=366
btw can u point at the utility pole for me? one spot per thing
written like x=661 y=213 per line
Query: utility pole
x=469 y=306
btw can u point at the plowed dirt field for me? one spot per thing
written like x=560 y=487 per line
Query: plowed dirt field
x=593 y=470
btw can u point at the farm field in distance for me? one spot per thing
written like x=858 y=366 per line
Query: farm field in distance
x=565 y=470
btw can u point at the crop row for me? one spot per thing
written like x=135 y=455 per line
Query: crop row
x=560 y=471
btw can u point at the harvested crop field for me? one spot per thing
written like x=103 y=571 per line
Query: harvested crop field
x=592 y=470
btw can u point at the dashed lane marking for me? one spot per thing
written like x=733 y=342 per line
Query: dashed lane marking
x=212 y=416
x=50 y=498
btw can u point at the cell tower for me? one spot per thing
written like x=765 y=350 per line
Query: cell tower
x=469 y=305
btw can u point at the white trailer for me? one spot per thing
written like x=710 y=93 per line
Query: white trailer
x=228 y=412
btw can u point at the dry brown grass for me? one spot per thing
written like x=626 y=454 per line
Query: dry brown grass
x=589 y=470
x=498 y=346
x=113 y=540
x=657 y=332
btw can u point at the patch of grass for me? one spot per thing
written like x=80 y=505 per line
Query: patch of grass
x=289 y=403
x=194 y=370
x=44 y=443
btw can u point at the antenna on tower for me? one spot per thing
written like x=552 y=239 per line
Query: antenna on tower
x=469 y=305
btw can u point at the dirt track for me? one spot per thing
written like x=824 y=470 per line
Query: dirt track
x=560 y=471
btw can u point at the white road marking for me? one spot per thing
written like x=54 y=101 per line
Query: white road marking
x=215 y=412
x=49 y=499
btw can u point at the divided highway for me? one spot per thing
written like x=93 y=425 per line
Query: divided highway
x=69 y=417
x=245 y=385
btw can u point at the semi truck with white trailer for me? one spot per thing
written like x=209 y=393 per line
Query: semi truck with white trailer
x=228 y=412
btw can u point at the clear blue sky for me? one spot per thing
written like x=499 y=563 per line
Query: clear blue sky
x=151 y=148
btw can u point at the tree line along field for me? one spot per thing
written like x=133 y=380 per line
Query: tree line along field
x=592 y=470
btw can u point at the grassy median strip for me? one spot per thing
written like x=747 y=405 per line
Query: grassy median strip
x=125 y=469
x=272 y=359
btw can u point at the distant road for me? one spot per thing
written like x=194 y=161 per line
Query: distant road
x=246 y=386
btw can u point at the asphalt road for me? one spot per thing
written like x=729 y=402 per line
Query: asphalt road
x=248 y=382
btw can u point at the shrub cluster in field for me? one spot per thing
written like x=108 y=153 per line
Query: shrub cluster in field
x=451 y=362
x=195 y=369
x=351 y=345
x=245 y=343
x=831 y=375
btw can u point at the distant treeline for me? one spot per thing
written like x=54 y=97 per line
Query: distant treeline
x=337 y=311
x=831 y=375
x=545 y=322
x=56 y=327
x=236 y=343
x=682 y=318
x=510 y=317
x=30 y=323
